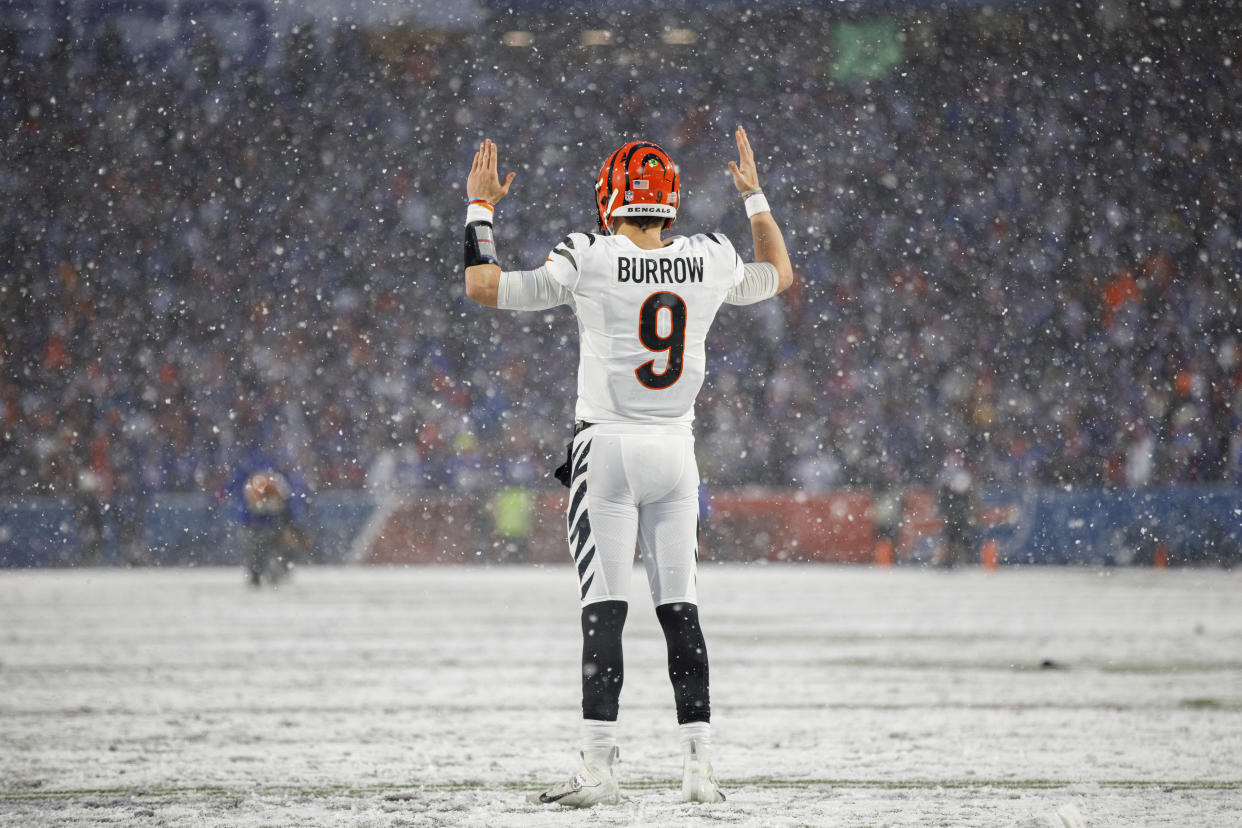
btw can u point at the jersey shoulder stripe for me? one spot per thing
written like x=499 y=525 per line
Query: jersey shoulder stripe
x=567 y=259
x=560 y=251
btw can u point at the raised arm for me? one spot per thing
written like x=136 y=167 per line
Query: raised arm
x=484 y=189
x=769 y=243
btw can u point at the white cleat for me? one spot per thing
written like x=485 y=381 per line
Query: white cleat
x=595 y=783
x=698 y=782
x=1070 y=817
x=1067 y=816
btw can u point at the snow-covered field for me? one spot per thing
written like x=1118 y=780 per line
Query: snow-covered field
x=440 y=696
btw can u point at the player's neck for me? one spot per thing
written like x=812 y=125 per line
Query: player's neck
x=649 y=239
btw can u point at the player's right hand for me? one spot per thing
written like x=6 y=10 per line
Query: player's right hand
x=745 y=174
x=483 y=181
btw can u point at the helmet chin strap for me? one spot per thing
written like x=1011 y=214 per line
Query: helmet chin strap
x=608 y=212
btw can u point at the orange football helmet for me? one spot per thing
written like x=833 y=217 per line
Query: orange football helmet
x=266 y=492
x=639 y=179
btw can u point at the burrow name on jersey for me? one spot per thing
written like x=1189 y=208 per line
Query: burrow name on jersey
x=673 y=270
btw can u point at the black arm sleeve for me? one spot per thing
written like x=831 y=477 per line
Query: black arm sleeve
x=480 y=245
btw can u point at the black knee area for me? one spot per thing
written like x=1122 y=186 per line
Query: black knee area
x=602 y=665
x=687 y=661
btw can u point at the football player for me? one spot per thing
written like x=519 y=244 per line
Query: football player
x=644 y=303
x=268 y=507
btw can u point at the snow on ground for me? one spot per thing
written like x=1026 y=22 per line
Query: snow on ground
x=439 y=696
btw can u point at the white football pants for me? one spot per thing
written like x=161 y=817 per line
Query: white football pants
x=634 y=484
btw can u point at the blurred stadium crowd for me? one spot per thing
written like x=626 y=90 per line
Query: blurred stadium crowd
x=1021 y=245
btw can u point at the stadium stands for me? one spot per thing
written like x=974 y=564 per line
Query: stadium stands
x=1021 y=241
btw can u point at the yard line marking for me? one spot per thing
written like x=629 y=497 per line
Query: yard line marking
x=397 y=792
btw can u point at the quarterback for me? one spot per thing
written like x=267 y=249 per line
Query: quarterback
x=644 y=304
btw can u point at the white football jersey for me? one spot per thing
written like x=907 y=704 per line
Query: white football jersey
x=643 y=317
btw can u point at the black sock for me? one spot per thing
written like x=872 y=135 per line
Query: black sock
x=602 y=666
x=687 y=661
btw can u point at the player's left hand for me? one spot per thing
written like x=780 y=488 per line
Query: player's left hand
x=745 y=173
x=484 y=181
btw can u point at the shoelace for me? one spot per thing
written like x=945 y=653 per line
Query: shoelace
x=572 y=785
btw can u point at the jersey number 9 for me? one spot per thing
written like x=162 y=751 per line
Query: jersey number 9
x=674 y=342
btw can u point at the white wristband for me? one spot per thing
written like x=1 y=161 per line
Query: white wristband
x=480 y=210
x=755 y=203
